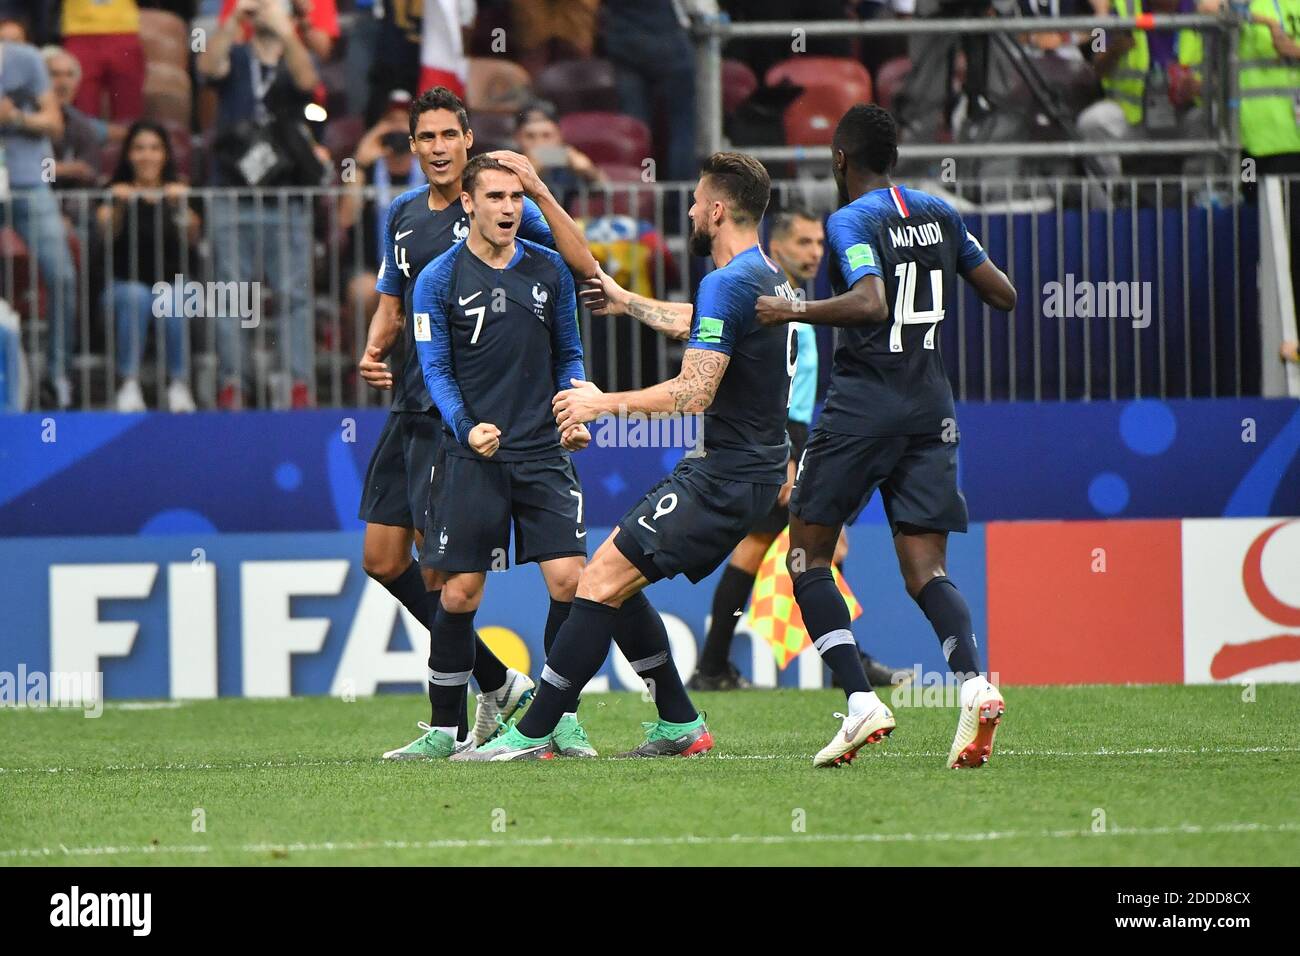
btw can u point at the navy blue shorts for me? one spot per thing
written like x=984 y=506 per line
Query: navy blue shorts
x=400 y=470
x=690 y=522
x=475 y=502
x=916 y=475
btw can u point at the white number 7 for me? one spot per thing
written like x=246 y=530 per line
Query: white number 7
x=903 y=299
x=479 y=312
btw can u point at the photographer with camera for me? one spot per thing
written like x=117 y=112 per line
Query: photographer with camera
x=262 y=140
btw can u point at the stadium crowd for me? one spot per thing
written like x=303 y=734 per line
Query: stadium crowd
x=150 y=102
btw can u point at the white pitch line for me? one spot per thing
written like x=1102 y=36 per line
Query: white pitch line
x=346 y=846
x=345 y=762
x=885 y=752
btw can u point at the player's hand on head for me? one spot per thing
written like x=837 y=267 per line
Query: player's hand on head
x=576 y=437
x=375 y=370
x=520 y=165
x=485 y=439
x=577 y=405
x=772 y=310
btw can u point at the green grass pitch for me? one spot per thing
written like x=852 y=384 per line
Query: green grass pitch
x=1083 y=775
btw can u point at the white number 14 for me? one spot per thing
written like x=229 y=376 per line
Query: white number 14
x=903 y=299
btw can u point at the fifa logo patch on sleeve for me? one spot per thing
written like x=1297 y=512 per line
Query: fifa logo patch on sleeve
x=860 y=255
x=422 y=327
x=710 y=330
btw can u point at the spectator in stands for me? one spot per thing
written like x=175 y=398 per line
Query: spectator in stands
x=549 y=30
x=562 y=167
x=363 y=41
x=104 y=37
x=384 y=160
x=14 y=30
x=1135 y=70
x=150 y=226
x=29 y=119
x=396 y=64
x=654 y=62
x=79 y=151
x=38 y=21
x=317 y=23
x=263 y=87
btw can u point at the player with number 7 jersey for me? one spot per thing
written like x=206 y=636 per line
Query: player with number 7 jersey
x=888 y=424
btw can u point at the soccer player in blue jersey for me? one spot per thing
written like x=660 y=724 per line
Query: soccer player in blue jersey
x=888 y=424
x=738 y=375
x=422 y=224
x=496 y=330
x=796 y=242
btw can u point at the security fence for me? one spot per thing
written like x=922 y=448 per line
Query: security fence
x=1131 y=287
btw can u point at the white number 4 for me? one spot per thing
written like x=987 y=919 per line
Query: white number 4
x=903 y=299
x=476 y=313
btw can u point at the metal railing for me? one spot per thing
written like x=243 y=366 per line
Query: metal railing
x=712 y=32
x=1183 y=250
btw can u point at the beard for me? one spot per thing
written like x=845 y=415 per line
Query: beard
x=701 y=244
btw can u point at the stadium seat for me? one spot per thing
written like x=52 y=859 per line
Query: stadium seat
x=619 y=199
x=166 y=93
x=810 y=120
x=890 y=79
x=165 y=38
x=577 y=85
x=607 y=137
x=831 y=72
x=738 y=83
x=496 y=84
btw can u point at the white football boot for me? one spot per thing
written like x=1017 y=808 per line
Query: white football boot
x=982 y=707
x=501 y=703
x=870 y=726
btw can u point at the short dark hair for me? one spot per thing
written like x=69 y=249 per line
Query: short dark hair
x=469 y=177
x=783 y=221
x=743 y=180
x=543 y=108
x=438 y=98
x=868 y=137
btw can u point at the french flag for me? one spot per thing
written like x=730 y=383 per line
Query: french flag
x=899 y=202
x=442 y=52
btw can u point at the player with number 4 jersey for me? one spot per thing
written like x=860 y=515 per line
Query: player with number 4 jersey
x=888 y=424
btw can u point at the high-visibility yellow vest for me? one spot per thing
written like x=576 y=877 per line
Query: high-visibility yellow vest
x=1191 y=54
x=1126 y=83
x=1268 y=83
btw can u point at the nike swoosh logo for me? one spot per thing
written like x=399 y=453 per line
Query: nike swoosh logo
x=470 y=299
x=643 y=523
x=579 y=534
x=402 y=235
x=850 y=731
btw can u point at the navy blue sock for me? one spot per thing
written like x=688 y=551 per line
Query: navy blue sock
x=433 y=601
x=641 y=636
x=555 y=618
x=489 y=672
x=579 y=650
x=729 y=600
x=950 y=618
x=826 y=618
x=451 y=660
x=408 y=587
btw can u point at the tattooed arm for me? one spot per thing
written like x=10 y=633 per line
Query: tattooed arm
x=690 y=392
x=672 y=319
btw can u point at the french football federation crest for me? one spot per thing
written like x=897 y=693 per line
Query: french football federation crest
x=459 y=230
